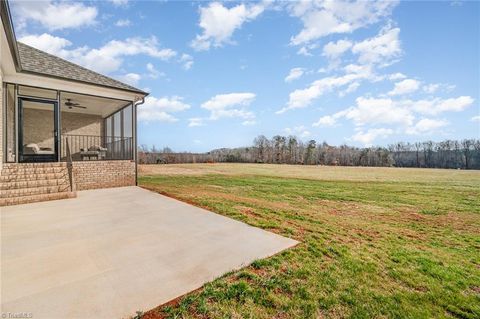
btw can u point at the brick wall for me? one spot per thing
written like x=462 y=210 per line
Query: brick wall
x=1 y=118
x=103 y=174
x=38 y=126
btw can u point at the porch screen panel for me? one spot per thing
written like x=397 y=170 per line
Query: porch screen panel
x=108 y=134
x=11 y=147
x=117 y=135
x=128 y=131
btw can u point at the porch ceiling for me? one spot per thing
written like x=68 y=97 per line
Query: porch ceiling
x=94 y=105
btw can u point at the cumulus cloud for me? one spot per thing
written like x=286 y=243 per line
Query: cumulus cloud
x=333 y=50
x=153 y=72
x=46 y=42
x=382 y=49
x=130 y=78
x=196 y=121
x=294 y=74
x=322 y=18
x=220 y=22
x=123 y=23
x=406 y=86
x=302 y=98
x=396 y=76
x=374 y=111
x=367 y=137
x=160 y=109
x=300 y=131
x=187 y=61
x=426 y=126
x=437 y=105
x=230 y=105
x=105 y=59
x=54 y=15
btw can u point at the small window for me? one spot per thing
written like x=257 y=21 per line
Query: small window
x=37 y=92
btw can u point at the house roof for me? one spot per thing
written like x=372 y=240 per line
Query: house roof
x=36 y=61
x=30 y=60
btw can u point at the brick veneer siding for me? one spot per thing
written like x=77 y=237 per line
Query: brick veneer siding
x=1 y=119
x=103 y=174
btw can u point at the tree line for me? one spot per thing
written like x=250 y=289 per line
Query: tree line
x=454 y=154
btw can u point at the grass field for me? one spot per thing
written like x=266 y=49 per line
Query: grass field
x=375 y=242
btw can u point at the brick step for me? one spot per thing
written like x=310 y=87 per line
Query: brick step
x=9 y=193
x=31 y=170
x=30 y=177
x=35 y=198
x=32 y=183
x=31 y=165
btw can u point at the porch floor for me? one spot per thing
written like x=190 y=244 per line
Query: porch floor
x=111 y=252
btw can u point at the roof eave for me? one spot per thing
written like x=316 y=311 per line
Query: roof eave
x=143 y=93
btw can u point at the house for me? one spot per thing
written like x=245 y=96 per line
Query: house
x=63 y=127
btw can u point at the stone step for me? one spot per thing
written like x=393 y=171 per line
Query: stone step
x=35 y=198
x=31 y=177
x=10 y=193
x=32 y=165
x=32 y=183
x=31 y=170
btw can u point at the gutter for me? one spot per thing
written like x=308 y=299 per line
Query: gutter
x=136 y=139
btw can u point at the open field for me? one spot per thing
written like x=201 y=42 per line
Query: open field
x=375 y=242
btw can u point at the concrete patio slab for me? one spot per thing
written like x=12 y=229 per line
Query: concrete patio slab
x=108 y=253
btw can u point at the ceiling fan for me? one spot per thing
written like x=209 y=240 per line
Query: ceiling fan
x=71 y=104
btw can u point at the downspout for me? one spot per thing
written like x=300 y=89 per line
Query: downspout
x=136 y=139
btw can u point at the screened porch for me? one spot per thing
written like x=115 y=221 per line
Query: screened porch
x=43 y=124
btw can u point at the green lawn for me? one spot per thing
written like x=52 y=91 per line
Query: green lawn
x=375 y=242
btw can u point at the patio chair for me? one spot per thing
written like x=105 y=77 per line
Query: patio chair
x=34 y=149
x=93 y=152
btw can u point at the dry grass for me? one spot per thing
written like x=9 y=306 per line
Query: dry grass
x=328 y=173
x=375 y=242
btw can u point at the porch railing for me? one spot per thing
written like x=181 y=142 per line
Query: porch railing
x=93 y=147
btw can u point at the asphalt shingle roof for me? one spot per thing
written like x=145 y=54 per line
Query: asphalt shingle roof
x=37 y=61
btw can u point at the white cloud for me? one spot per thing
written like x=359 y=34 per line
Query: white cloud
x=249 y=122
x=304 y=51
x=333 y=50
x=475 y=118
x=373 y=111
x=301 y=98
x=382 y=49
x=321 y=18
x=327 y=120
x=219 y=23
x=107 y=58
x=438 y=105
x=426 y=126
x=54 y=15
x=396 y=76
x=123 y=23
x=300 y=131
x=294 y=74
x=230 y=105
x=406 y=86
x=196 y=121
x=187 y=61
x=159 y=109
x=46 y=42
x=119 y=3
x=367 y=137
x=431 y=88
x=130 y=78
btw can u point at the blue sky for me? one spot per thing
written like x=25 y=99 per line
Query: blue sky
x=221 y=73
